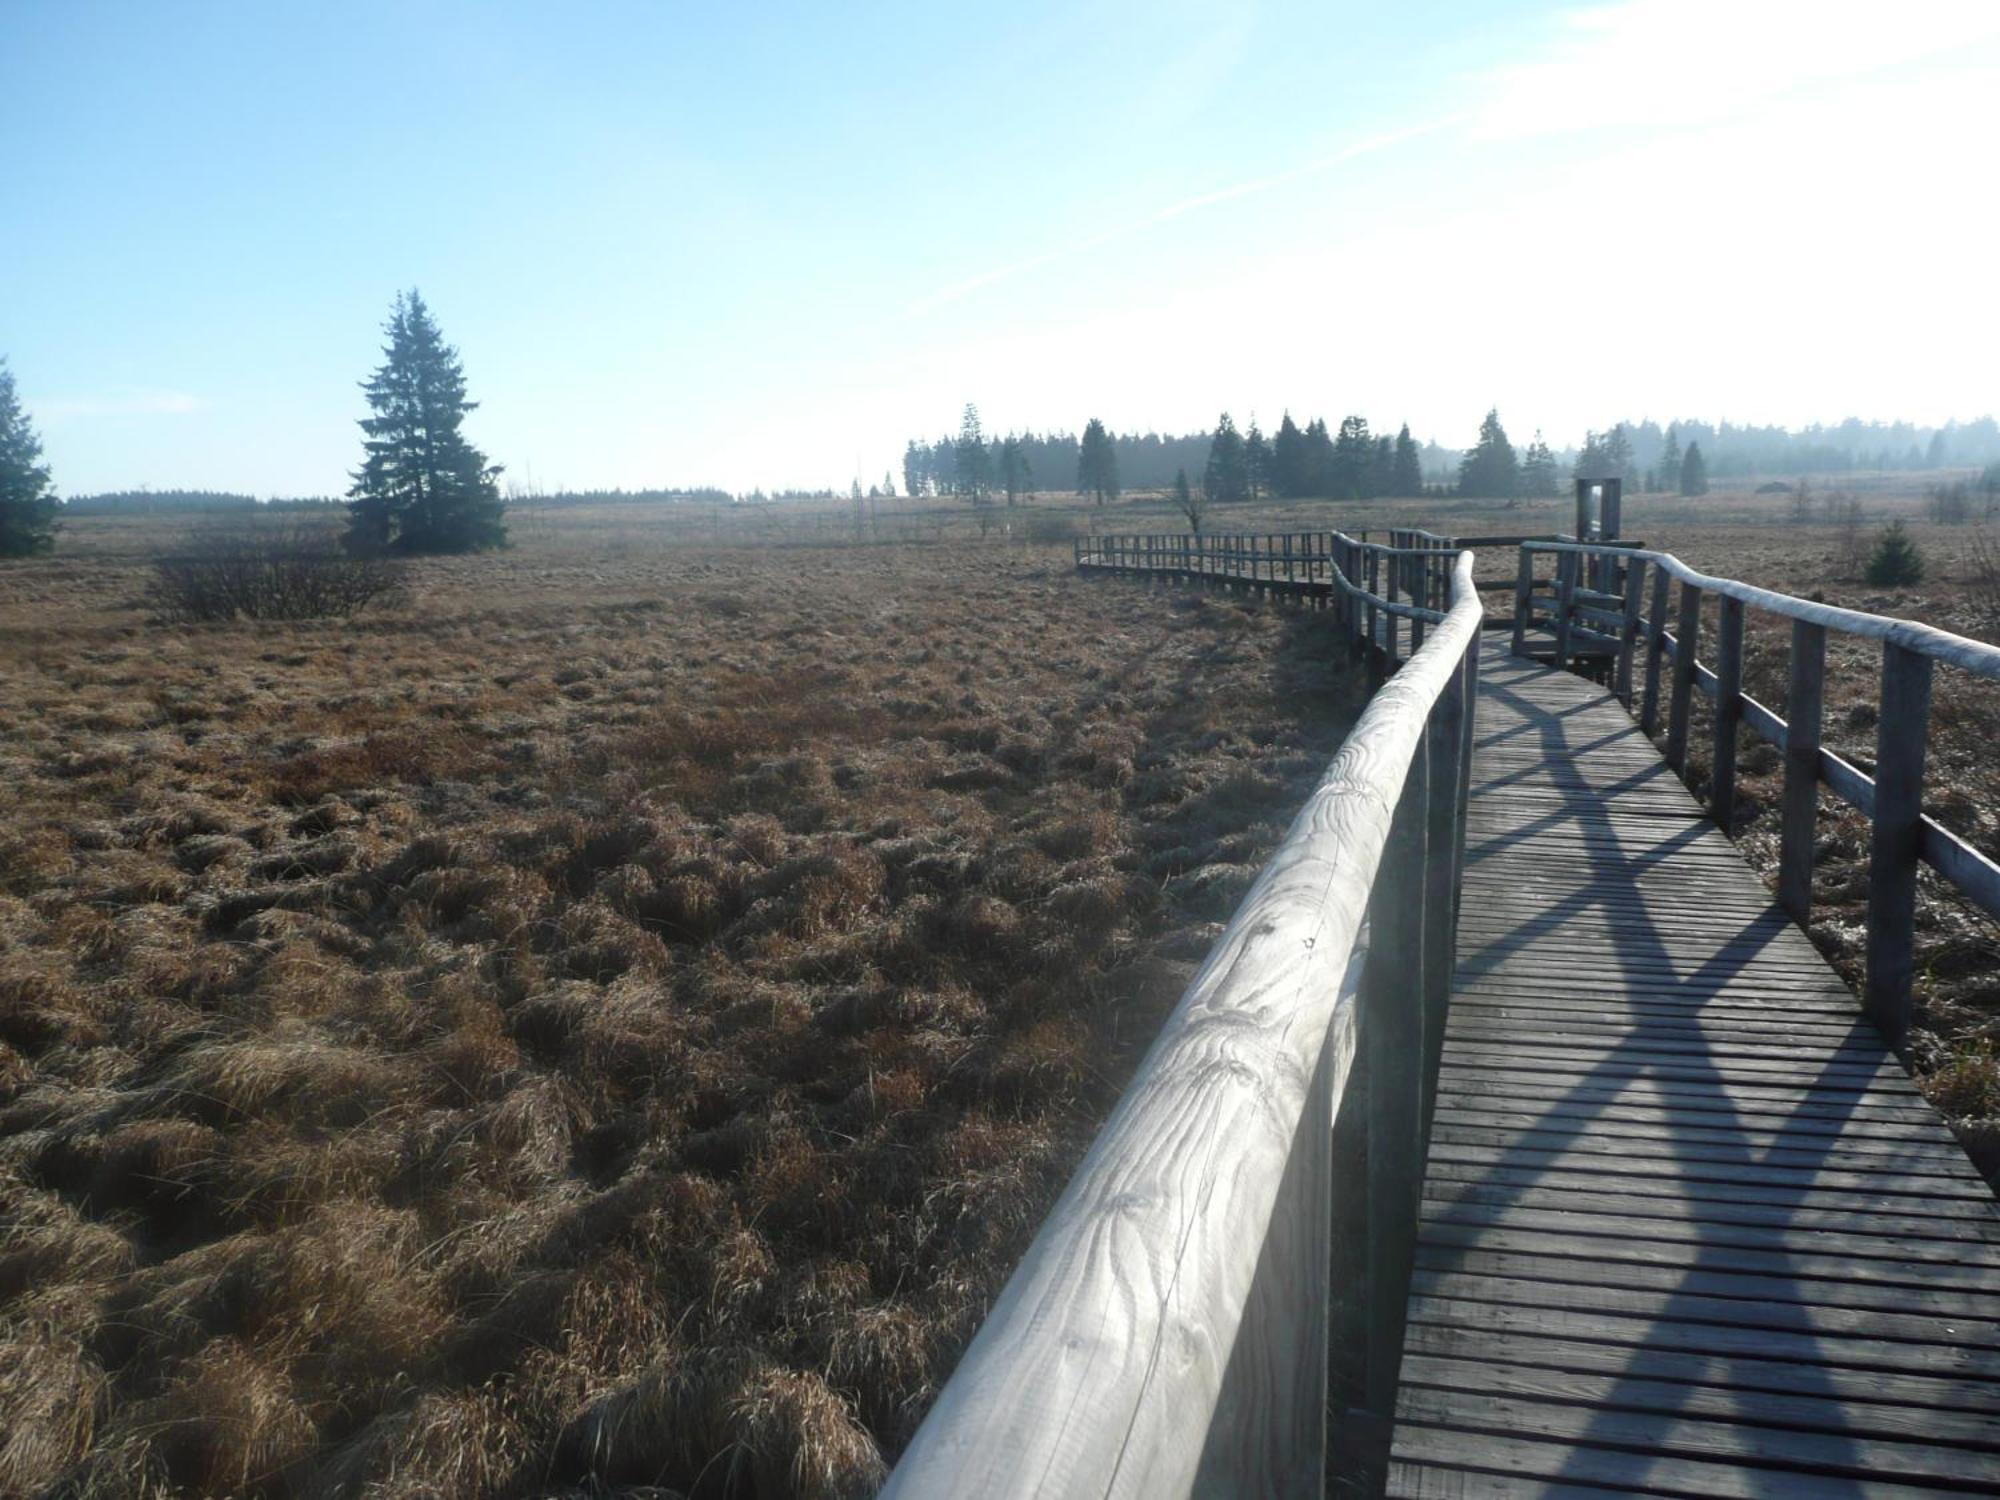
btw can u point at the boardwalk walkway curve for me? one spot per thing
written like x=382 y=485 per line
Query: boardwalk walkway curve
x=1646 y=1204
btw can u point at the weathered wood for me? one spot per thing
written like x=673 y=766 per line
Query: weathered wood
x=1628 y=634
x=1799 y=806
x=1902 y=730
x=1137 y=1310
x=1524 y=588
x=1656 y=633
x=1393 y=994
x=1686 y=1226
x=1684 y=644
x=1728 y=713
x=1566 y=568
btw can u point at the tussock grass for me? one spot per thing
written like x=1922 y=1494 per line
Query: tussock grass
x=613 y=1022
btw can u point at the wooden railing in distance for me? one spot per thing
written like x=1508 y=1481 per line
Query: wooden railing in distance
x=1629 y=627
x=1167 y=1332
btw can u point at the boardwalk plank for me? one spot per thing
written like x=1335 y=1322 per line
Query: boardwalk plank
x=1688 y=1228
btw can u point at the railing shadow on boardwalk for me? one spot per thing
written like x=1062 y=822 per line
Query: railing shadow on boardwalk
x=1639 y=1394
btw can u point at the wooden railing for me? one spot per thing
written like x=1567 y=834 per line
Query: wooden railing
x=1601 y=608
x=1167 y=1332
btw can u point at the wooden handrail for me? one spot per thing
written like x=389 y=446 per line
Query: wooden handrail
x=1166 y=1332
x=1901 y=836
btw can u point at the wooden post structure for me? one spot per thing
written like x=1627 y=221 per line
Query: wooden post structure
x=1900 y=734
x=1628 y=634
x=1728 y=712
x=1566 y=571
x=1391 y=1037
x=1656 y=646
x=1804 y=707
x=1685 y=639
x=1524 y=601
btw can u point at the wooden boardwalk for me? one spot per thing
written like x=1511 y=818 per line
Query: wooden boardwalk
x=1688 y=1228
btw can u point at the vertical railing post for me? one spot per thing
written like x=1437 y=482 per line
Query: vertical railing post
x=1628 y=634
x=1728 y=711
x=1656 y=645
x=1901 y=731
x=1568 y=565
x=1524 y=599
x=1392 y=1041
x=1805 y=702
x=1686 y=639
x=1443 y=836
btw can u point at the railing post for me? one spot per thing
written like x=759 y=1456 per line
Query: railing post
x=1391 y=1037
x=1656 y=632
x=1685 y=641
x=1524 y=593
x=1728 y=711
x=1443 y=844
x=1804 y=707
x=1568 y=565
x=1628 y=634
x=1900 y=735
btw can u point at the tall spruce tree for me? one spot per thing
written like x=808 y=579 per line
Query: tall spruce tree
x=973 y=476
x=1227 y=475
x=1409 y=468
x=1353 y=455
x=1669 y=465
x=1319 y=458
x=1097 y=463
x=1256 y=460
x=1694 y=472
x=1289 y=479
x=1490 y=471
x=27 y=493
x=421 y=487
x=1539 y=478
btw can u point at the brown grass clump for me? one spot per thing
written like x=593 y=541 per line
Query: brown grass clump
x=613 y=1022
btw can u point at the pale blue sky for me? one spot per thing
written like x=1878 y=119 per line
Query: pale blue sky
x=763 y=245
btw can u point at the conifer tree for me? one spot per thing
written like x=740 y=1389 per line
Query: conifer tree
x=1539 y=478
x=1256 y=460
x=1097 y=463
x=1289 y=479
x=915 y=461
x=27 y=493
x=973 y=476
x=1353 y=456
x=1226 y=478
x=1408 y=476
x=421 y=487
x=1670 y=460
x=1694 y=472
x=1490 y=471
x=1319 y=458
x=1895 y=560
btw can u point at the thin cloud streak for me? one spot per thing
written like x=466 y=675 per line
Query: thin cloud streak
x=958 y=291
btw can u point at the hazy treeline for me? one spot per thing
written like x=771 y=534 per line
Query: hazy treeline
x=1317 y=460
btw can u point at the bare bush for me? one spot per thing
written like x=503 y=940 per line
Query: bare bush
x=1983 y=572
x=1950 y=504
x=269 y=573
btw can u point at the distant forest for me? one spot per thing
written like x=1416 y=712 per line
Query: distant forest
x=1357 y=461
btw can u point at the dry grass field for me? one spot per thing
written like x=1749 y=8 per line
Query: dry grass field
x=611 y=1022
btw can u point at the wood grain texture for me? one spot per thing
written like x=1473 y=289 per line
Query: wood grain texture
x=1145 y=1345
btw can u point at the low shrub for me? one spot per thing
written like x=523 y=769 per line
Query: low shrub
x=288 y=573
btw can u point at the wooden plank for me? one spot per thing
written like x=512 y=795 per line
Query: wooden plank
x=1845 y=1454
x=1851 y=1413
x=1486 y=1467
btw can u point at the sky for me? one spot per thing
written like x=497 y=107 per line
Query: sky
x=762 y=246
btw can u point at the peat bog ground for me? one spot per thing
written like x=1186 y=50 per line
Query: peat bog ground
x=612 y=1022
